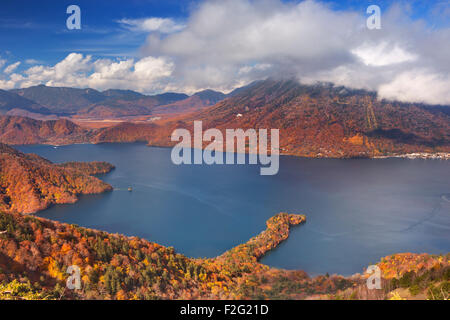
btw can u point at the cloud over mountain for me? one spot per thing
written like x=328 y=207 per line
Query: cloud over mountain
x=225 y=44
x=311 y=41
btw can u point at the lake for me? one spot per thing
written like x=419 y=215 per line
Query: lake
x=358 y=210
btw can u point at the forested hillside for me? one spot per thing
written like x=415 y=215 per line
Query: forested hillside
x=29 y=183
x=319 y=120
x=35 y=254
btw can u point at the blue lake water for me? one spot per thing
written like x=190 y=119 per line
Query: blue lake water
x=357 y=210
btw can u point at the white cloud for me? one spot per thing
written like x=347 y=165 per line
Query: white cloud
x=382 y=54
x=163 y=25
x=69 y=71
x=256 y=67
x=418 y=85
x=224 y=40
x=31 y=61
x=146 y=75
x=11 y=67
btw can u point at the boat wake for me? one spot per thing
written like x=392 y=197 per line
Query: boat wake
x=435 y=212
x=446 y=197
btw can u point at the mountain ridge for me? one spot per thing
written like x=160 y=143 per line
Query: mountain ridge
x=89 y=102
x=11 y=101
x=326 y=120
x=319 y=120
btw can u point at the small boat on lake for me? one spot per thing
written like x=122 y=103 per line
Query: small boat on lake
x=130 y=189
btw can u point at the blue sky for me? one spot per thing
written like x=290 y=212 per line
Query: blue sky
x=153 y=46
x=37 y=29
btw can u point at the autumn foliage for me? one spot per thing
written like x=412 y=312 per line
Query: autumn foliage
x=314 y=121
x=35 y=254
x=29 y=183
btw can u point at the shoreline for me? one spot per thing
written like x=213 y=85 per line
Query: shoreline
x=418 y=155
x=235 y=267
x=410 y=156
x=231 y=274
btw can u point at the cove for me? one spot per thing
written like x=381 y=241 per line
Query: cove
x=358 y=210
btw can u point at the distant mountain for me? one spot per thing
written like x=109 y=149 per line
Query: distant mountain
x=323 y=120
x=9 y=101
x=61 y=100
x=210 y=96
x=169 y=97
x=116 y=108
x=29 y=183
x=196 y=102
x=128 y=103
x=331 y=121
x=243 y=88
x=122 y=94
x=319 y=120
x=95 y=104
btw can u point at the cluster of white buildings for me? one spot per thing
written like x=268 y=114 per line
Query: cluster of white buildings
x=424 y=155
